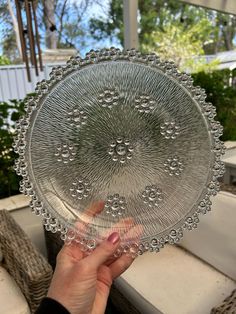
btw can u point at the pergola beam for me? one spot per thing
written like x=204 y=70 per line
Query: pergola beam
x=226 y=6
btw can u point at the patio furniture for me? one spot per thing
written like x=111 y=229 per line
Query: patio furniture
x=12 y=301
x=227 y=306
x=230 y=162
x=173 y=282
x=198 y=280
x=53 y=245
x=24 y=263
x=230 y=174
x=178 y=282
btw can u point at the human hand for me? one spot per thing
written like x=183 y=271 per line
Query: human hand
x=81 y=282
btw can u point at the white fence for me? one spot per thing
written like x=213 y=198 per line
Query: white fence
x=14 y=83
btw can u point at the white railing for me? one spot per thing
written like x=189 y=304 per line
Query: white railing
x=14 y=83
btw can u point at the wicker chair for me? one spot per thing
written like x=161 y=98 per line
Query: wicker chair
x=53 y=246
x=228 y=306
x=25 y=264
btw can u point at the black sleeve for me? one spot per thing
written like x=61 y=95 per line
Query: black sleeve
x=50 y=306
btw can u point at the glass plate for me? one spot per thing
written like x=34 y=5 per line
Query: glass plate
x=125 y=129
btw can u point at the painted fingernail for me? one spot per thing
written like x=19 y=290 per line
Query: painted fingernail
x=113 y=238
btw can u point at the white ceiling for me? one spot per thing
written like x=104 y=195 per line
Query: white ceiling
x=228 y=6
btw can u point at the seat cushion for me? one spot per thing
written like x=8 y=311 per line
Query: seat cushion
x=215 y=238
x=12 y=300
x=173 y=281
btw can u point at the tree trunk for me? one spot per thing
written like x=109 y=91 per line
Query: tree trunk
x=217 y=40
x=50 y=24
x=15 y=26
x=227 y=39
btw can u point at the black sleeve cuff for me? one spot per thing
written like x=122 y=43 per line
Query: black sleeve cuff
x=50 y=306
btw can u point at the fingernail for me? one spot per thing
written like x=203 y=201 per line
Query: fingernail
x=113 y=238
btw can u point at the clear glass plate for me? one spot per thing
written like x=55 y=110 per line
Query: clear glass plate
x=125 y=129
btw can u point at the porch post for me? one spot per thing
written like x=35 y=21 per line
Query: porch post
x=130 y=14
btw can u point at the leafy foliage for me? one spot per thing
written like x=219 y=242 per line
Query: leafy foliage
x=4 y=60
x=10 y=112
x=181 y=44
x=112 y=25
x=222 y=96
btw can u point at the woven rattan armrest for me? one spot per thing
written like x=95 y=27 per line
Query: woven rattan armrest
x=25 y=264
x=228 y=306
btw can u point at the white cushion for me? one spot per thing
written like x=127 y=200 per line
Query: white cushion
x=12 y=300
x=173 y=281
x=215 y=238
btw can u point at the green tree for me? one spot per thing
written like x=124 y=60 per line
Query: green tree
x=8 y=36
x=181 y=44
x=71 y=22
x=174 y=30
x=225 y=31
x=155 y=16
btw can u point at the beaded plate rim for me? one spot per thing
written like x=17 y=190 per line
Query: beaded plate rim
x=51 y=219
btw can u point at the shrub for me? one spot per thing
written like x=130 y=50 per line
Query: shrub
x=10 y=112
x=223 y=96
x=4 y=60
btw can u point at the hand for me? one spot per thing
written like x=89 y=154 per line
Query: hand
x=81 y=282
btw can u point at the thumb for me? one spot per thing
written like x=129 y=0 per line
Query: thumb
x=105 y=250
